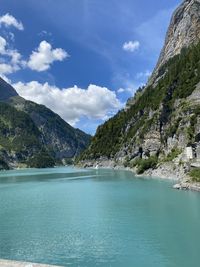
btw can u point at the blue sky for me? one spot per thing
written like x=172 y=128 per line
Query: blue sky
x=81 y=58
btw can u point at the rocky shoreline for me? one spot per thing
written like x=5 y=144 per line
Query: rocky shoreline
x=169 y=171
x=187 y=186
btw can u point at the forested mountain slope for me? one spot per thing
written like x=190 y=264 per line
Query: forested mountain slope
x=161 y=123
x=32 y=135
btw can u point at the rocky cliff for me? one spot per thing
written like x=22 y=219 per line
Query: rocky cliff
x=183 y=31
x=32 y=135
x=159 y=130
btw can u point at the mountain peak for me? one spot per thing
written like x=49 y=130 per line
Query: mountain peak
x=6 y=90
x=183 y=31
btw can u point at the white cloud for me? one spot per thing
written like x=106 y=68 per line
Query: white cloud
x=121 y=90
x=129 y=90
x=143 y=75
x=10 y=59
x=39 y=60
x=15 y=57
x=8 y=20
x=2 y=45
x=44 y=56
x=8 y=68
x=131 y=46
x=71 y=104
x=5 y=68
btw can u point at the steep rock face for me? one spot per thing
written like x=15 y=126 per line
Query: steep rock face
x=184 y=30
x=161 y=123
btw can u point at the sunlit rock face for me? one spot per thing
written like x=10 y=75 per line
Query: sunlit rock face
x=184 y=30
x=162 y=120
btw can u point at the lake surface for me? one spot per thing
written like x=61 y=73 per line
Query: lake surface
x=87 y=218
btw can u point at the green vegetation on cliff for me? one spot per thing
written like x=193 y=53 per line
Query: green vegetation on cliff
x=18 y=132
x=41 y=160
x=20 y=140
x=32 y=135
x=195 y=175
x=60 y=138
x=176 y=80
x=143 y=164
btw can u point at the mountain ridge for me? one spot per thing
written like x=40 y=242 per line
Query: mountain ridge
x=51 y=140
x=6 y=90
x=159 y=129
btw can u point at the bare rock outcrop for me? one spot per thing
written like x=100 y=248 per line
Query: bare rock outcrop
x=183 y=31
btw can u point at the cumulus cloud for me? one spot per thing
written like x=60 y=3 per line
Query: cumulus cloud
x=73 y=103
x=5 y=68
x=39 y=60
x=11 y=60
x=8 y=20
x=131 y=46
x=44 y=56
x=8 y=68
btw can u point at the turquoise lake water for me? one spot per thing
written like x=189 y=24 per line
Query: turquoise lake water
x=87 y=218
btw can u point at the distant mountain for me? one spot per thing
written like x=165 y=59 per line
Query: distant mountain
x=6 y=90
x=159 y=130
x=32 y=135
x=62 y=140
x=20 y=139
